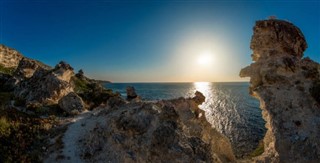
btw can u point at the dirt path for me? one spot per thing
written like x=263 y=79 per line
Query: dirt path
x=77 y=128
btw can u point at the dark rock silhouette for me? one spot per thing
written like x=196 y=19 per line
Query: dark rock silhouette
x=131 y=93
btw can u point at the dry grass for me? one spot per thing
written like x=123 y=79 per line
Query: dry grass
x=22 y=136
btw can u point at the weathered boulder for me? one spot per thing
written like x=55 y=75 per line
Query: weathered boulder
x=160 y=131
x=72 y=103
x=131 y=93
x=46 y=86
x=115 y=101
x=288 y=89
x=9 y=58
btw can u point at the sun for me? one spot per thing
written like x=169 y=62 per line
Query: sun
x=205 y=58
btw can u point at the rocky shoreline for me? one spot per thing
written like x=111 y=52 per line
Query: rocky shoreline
x=55 y=115
x=93 y=124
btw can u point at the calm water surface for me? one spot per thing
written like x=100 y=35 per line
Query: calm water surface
x=229 y=108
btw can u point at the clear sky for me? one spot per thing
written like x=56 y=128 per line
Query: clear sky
x=149 y=41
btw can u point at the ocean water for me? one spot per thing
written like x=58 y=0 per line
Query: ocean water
x=229 y=108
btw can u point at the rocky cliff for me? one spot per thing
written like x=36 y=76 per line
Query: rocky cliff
x=37 y=84
x=164 y=131
x=288 y=87
x=9 y=58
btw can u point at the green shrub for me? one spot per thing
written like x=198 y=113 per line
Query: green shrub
x=259 y=150
x=6 y=70
x=80 y=85
x=4 y=127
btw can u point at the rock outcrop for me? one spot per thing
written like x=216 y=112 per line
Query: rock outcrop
x=36 y=84
x=288 y=89
x=131 y=93
x=46 y=86
x=9 y=58
x=72 y=104
x=16 y=67
x=163 y=131
x=27 y=67
x=199 y=98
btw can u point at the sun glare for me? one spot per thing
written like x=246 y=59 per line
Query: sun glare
x=202 y=86
x=205 y=58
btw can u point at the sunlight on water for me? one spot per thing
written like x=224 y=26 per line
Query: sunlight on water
x=231 y=113
x=203 y=87
x=206 y=89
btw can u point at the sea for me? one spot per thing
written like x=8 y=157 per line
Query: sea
x=229 y=108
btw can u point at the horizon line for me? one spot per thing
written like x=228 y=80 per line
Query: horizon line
x=180 y=82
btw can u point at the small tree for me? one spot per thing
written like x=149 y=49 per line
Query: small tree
x=272 y=17
x=80 y=72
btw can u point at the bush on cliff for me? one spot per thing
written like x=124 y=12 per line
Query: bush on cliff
x=80 y=85
x=91 y=91
x=22 y=136
x=6 y=70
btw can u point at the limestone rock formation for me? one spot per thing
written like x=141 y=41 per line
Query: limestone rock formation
x=46 y=86
x=16 y=67
x=288 y=89
x=9 y=58
x=163 y=131
x=72 y=103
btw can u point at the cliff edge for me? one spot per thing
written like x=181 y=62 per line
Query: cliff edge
x=167 y=130
x=288 y=88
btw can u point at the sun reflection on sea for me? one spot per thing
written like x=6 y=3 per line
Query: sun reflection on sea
x=206 y=89
x=203 y=87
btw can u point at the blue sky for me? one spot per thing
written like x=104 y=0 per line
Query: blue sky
x=149 y=41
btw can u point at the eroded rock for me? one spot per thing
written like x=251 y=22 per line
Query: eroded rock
x=27 y=67
x=46 y=86
x=199 y=98
x=163 y=131
x=287 y=87
x=72 y=103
